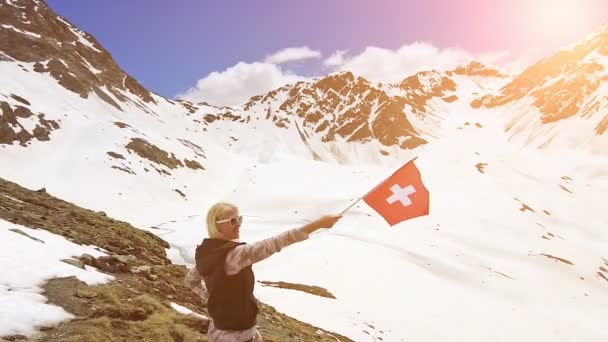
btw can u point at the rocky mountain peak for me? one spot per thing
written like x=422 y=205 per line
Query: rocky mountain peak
x=561 y=85
x=478 y=69
x=32 y=33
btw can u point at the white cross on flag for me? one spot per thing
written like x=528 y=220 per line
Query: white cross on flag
x=400 y=197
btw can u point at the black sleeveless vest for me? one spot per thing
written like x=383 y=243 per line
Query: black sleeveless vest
x=231 y=303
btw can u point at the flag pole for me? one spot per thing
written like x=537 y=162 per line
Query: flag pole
x=350 y=206
x=374 y=188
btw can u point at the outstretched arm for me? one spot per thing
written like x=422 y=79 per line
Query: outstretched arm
x=248 y=254
x=244 y=255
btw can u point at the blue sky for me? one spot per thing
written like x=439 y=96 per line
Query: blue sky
x=170 y=45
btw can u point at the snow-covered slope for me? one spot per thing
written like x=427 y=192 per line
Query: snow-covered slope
x=69 y=109
x=27 y=265
x=561 y=100
x=515 y=246
x=72 y=120
x=347 y=119
x=117 y=156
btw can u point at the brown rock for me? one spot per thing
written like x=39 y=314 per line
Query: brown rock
x=115 y=155
x=125 y=258
x=562 y=260
x=86 y=294
x=73 y=262
x=193 y=164
x=478 y=69
x=20 y=99
x=141 y=269
x=121 y=125
x=154 y=154
x=87 y=259
x=19 y=231
x=480 y=167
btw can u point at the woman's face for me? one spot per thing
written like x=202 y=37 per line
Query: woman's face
x=229 y=223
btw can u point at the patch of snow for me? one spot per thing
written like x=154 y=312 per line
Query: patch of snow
x=79 y=34
x=12 y=3
x=10 y=27
x=93 y=69
x=12 y=198
x=23 y=308
x=185 y=311
x=5 y=56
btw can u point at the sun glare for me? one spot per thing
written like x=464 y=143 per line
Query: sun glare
x=557 y=17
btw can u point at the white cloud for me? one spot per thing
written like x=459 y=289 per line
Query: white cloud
x=336 y=59
x=237 y=84
x=384 y=65
x=388 y=66
x=292 y=54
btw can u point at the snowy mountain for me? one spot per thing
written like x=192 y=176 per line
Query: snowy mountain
x=345 y=118
x=561 y=100
x=67 y=107
x=32 y=33
x=514 y=247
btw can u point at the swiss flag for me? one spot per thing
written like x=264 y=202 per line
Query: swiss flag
x=400 y=197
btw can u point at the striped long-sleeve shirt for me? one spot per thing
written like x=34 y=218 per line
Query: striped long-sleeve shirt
x=237 y=259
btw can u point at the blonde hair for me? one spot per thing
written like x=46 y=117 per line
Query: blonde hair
x=212 y=214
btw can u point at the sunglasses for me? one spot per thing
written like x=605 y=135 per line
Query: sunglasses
x=233 y=221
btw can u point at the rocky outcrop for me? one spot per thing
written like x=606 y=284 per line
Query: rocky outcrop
x=31 y=32
x=341 y=106
x=152 y=153
x=12 y=128
x=423 y=86
x=477 y=69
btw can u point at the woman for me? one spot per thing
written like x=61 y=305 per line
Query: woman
x=224 y=263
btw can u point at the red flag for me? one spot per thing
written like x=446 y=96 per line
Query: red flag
x=400 y=197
